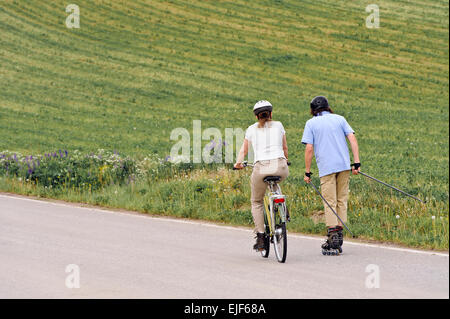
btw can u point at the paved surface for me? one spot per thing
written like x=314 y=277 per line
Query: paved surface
x=123 y=255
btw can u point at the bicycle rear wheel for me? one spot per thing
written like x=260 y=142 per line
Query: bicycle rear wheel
x=280 y=238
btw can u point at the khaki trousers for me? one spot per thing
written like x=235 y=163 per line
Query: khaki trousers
x=334 y=189
x=275 y=167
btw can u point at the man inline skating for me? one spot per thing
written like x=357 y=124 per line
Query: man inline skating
x=325 y=137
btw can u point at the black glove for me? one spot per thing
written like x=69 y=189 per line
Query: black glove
x=356 y=166
x=308 y=174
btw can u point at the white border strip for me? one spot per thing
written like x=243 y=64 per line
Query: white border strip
x=184 y=221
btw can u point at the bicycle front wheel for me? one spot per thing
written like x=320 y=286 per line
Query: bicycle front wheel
x=266 y=251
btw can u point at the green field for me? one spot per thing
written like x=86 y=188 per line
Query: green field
x=136 y=70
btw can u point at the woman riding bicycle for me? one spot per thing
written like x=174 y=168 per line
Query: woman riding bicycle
x=268 y=139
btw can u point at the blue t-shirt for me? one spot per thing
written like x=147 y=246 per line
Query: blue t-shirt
x=327 y=133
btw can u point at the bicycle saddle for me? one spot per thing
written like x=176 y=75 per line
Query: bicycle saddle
x=272 y=179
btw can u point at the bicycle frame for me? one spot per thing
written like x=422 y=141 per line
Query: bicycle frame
x=274 y=199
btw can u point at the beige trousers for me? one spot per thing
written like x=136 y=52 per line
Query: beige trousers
x=275 y=167
x=334 y=188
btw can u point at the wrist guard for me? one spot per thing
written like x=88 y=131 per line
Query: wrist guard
x=356 y=165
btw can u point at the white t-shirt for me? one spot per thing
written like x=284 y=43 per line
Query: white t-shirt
x=267 y=142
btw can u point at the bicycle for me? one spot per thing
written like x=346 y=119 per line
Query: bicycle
x=275 y=218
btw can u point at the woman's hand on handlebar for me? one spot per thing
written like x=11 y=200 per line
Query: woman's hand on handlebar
x=238 y=166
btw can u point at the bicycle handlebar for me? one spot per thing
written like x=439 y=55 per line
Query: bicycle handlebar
x=245 y=164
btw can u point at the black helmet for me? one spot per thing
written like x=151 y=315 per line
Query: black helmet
x=318 y=103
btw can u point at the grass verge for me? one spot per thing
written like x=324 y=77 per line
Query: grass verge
x=218 y=194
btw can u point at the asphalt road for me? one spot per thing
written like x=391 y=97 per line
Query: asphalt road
x=126 y=255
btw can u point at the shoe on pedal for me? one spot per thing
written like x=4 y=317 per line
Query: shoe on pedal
x=259 y=245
